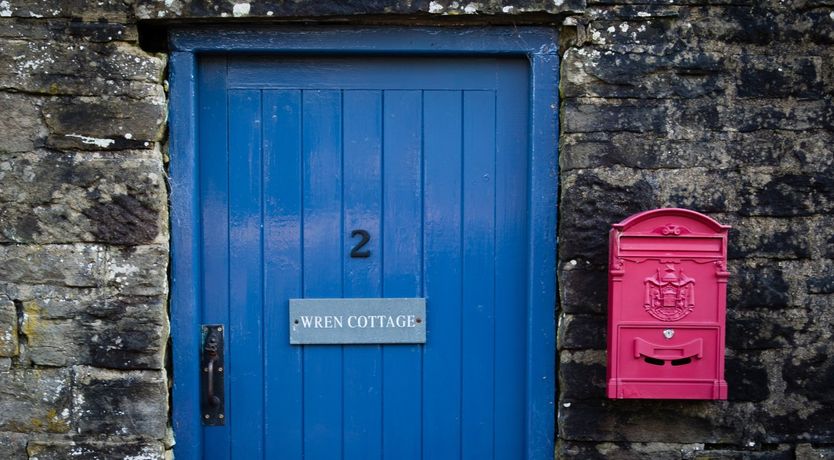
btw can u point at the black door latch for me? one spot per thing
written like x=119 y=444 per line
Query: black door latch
x=212 y=400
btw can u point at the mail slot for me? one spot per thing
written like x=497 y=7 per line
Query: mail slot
x=667 y=294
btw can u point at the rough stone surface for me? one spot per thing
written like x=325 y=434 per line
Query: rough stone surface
x=13 y=446
x=95 y=450
x=91 y=197
x=83 y=234
x=116 y=403
x=150 y=9
x=809 y=452
x=35 y=401
x=723 y=106
x=8 y=329
x=21 y=124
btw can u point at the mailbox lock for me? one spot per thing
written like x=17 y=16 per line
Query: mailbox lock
x=668 y=333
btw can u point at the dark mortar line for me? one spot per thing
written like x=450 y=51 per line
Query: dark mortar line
x=99 y=243
x=759 y=447
x=734 y=168
x=164 y=152
x=22 y=338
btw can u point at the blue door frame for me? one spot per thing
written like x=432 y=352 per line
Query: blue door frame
x=537 y=45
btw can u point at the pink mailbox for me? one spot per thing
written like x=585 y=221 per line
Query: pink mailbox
x=667 y=294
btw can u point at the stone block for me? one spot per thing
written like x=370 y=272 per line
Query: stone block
x=583 y=288
x=811 y=423
x=696 y=188
x=21 y=28
x=13 y=446
x=138 y=270
x=656 y=32
x=578 y=332
x=592 y=200
x=769 y=452
x=93 y=450
x=626 y=451
x=100 y=10
x=822 y=281
x=746 y=376
x=103 y=124
x=808 y=151
x=120 y=403
x=808 y=452
x=791 y=115
x=763 y=25
x=134 y=337
x=787 y=194
x=110 y=332
x=642 y=151
x=592 y=115
x=765 y=328
x=770 y=238
x=688 y=119
x=67 y=65
x=647 y=421
x=758 y=284
x=780 y=77
x=601 y=72
x=98 y=32
x=52 y=197
x=582 y=375
x=20 y=124
x=828 y=247
x=8 y=329
x=811 y=374
x=150 y=9
x=72 y=265
x=35 y=400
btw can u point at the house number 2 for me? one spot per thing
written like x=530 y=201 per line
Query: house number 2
x=357 y=251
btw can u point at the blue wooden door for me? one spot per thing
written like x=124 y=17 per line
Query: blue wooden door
x=430 y=157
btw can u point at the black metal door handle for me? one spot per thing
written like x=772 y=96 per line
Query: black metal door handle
x=212 y=398
x=212 y=402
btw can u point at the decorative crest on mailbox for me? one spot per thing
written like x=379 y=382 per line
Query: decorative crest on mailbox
x=671 y=229
x=669 y=296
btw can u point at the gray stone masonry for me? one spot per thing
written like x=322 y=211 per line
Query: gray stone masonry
x=722 y=106
x=83 y=234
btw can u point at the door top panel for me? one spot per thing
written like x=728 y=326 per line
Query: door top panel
x=372 y=72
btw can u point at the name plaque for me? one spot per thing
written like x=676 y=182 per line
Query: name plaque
x=357 y=321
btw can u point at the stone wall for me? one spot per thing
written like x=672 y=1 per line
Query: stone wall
x=726 y=109
x=720 y=106
x=83 y=234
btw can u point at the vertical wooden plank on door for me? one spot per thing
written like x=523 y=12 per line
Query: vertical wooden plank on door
x=511 y=220
x=362 y=134
x=478 y=306
x=442 y=253
x=402 y=249
x=544 y=129
x=322 y=256
x=186 y=251
x=214 y=187
x=245 y=275
x=282 y=273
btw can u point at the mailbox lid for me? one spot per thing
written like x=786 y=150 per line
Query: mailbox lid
x=649 y=221
x=670 y=232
